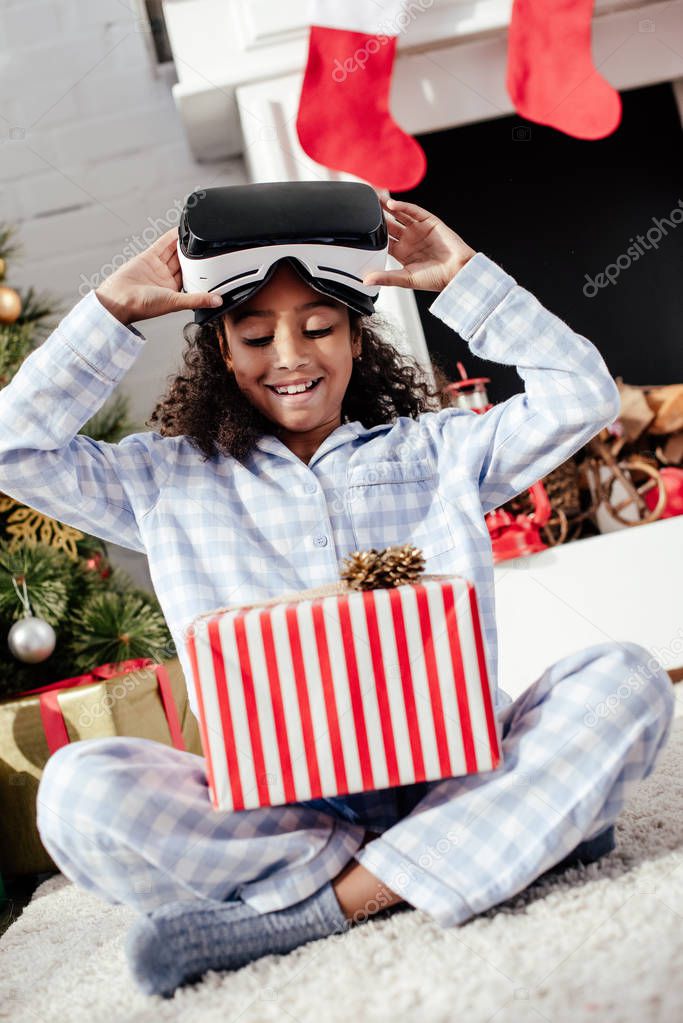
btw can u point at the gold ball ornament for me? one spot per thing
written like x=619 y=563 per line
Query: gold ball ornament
x=10 y=305
x=3 y=267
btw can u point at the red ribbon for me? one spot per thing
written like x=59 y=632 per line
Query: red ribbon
x=53 y=718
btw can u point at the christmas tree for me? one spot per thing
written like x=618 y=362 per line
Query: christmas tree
x=64 y=609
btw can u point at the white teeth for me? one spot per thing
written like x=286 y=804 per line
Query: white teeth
x=294 y=388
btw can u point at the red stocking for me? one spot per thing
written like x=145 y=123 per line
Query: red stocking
x=344 y=120
x=551 y=78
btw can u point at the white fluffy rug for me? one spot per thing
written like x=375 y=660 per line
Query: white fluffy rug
x=602 y=942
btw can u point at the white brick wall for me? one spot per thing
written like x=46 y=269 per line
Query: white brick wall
x=92 y=152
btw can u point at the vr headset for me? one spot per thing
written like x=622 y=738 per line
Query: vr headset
x=230 y=240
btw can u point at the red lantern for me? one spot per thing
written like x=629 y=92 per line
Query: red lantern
x=469 y=392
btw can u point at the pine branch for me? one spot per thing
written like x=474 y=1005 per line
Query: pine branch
x=16 y=342
x=8 y=247
x=98 y=620
x=19 y=339
x=114 y=627
x=17 y=677
x=91 y=630
x=86 y=581
x=37 y=308
x=48 y=574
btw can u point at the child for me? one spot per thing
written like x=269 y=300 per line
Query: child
x=245 y=494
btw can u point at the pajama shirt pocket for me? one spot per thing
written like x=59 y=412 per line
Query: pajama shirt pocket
x=397 y=502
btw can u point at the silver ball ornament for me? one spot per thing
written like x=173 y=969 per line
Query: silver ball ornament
x=31 y=640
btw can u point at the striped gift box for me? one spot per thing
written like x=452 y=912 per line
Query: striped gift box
x=313 y=695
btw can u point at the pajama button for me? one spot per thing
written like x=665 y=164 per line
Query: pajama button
x=311 y=488
x=320 y=541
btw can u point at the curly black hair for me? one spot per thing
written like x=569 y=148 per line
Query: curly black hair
x=206 y=404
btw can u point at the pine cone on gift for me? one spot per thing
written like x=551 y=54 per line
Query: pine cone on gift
x=378 y=570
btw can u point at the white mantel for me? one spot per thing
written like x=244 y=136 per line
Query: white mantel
x=620 y=586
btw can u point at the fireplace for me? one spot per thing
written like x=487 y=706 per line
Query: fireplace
x=556 y=212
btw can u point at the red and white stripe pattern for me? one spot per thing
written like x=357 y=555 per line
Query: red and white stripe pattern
x=345 y=693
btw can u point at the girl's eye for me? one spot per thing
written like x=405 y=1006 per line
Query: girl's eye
x=309 y=333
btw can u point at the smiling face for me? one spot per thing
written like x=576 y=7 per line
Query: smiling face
x=288 y=333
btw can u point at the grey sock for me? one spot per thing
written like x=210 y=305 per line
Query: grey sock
x=179 y=942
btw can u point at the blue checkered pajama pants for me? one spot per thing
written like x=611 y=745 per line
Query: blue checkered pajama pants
x=130 y=819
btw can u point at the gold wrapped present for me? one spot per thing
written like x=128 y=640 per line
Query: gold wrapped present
x=33 y=725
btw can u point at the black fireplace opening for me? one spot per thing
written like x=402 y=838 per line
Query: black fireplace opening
x=564 y=217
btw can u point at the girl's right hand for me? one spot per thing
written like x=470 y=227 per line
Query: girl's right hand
x=149 y=285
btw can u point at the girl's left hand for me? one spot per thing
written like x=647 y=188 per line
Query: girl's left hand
x=431 y=253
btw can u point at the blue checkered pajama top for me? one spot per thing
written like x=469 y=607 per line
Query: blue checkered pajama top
x=222 y=532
